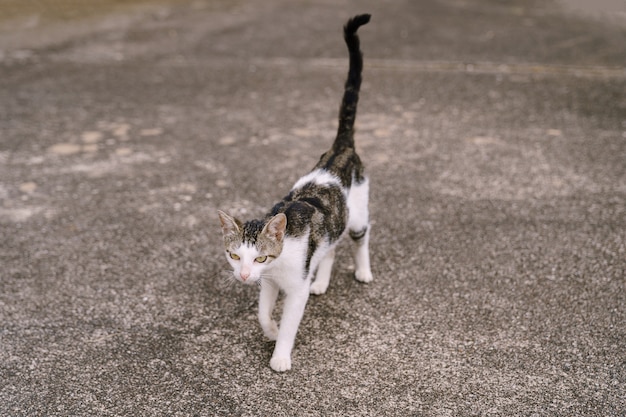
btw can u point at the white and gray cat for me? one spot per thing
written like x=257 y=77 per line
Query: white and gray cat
x=293 y=247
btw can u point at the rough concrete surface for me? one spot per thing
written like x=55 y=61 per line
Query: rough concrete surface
x=494 y=133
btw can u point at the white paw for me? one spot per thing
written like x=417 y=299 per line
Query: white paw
x=318 y=288
x=271 y=330
x=280 y=364
x=364 y=275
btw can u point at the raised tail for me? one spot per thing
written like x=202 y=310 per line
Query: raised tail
x=347 y=112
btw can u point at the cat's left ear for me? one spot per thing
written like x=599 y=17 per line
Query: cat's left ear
x=275 y=227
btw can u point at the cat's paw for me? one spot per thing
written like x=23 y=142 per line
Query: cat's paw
x=280 y=364
x=318 y=288
x=363 y=275
x=271 y=330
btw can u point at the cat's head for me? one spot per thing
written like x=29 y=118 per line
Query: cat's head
x=252 y=246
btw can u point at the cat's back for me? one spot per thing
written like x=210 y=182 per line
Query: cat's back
x=316 y=204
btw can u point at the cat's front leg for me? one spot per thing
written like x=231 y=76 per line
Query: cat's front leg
x=293 y=310
x=322 y=277
x=267 y=301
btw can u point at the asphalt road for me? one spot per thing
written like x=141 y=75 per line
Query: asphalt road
x=494 y=134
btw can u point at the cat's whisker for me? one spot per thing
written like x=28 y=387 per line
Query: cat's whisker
x=222 y=276
x=227 y=279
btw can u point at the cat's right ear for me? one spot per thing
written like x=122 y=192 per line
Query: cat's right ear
x=230 y=225
x=275 y=227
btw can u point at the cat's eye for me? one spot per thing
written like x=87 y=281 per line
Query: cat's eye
x=234 y=256
x=260 y=259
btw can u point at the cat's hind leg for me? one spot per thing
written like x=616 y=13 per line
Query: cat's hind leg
x=363 y=271
x=359 y=229
x=267 y=301
x=322 y=276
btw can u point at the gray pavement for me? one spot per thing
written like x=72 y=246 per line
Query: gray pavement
x=495 y=137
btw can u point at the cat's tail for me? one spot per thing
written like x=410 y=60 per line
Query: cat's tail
x=347 y=111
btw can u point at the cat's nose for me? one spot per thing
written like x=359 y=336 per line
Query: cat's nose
x=244 y=275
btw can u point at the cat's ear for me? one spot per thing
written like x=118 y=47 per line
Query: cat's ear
x=230 y=225
x=275 y=227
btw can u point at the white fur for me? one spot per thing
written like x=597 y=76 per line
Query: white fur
x=358 y=198
x=318 y=177
x=286 y=272
x=324 y=270
x=358 y=220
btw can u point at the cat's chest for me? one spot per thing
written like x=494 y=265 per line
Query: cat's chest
x=290 y=262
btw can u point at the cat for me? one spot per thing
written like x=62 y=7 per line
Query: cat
x=295 y=242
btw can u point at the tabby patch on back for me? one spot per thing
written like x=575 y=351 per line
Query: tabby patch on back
x=292 y=248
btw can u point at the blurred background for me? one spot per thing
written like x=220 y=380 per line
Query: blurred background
x=494 y=133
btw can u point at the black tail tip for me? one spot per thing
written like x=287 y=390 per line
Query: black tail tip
x=357 y=21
